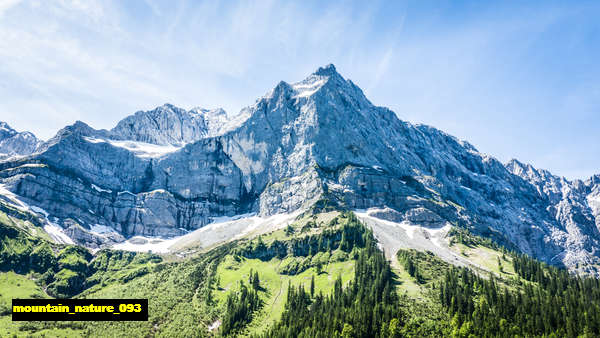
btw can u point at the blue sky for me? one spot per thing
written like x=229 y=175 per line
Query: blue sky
x=515 y=79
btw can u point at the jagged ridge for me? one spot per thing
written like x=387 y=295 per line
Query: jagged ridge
x=13 y=143
x=320 y=138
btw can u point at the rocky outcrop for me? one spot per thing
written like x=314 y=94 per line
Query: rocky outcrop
x=170 y=125
x=420 y=215
x=574 y=205
x=13 y=143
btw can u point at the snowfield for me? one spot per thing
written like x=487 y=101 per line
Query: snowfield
x=139 y=149
x=54 y=231
x=100 y=229
x=305 y=89
x=393 y=236
x=146 y=244
x=57 y=233
x=221 y=230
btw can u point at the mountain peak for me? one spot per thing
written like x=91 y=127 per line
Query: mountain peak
x=167 y=106
x=16 y=143
x=163 y=125
x=324 y=77
x=529 y=172
x=515 y=163
x=328 y=70
x=170 y=125
x=6 y=130
x=79 y=127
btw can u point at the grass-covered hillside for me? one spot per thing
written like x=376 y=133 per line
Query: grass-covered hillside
x=324 y=275
x=186 y=297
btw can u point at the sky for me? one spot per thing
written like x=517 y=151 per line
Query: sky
x=516 y=79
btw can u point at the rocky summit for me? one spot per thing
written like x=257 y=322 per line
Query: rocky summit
x=13 y=143
x=167 y=171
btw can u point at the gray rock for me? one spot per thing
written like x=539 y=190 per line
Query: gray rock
x=13 y=143
x=169 y=125
x=574 y=205
x=318 y=139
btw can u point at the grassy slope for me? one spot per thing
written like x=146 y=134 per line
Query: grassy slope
x=487 y=258
x=14 y=285
x=19 y=286
x=19 y=220
x=176 y=297
x=275 y=284
x=186 y=297
x=426 y=314
x=177 y=291
x=406 y=284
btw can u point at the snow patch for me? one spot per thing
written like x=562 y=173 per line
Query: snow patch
x=94 y=140
x=101 y=229
x=28 y=165
x=97 y=188
x=39 y=210
x=139 y=149
x=225 y=219
x=225 y=229
x=10 y=197
x=335 y=186
x=57 y=233
x=125 y=192
x=54 y=231
x=146 y=244
x=214 y=325
x=408 y=228
x=157 y=191
x=305 y=89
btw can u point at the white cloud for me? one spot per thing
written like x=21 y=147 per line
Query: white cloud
x=382 y=68
x=5 y=5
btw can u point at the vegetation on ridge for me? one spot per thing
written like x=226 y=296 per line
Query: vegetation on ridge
x=321 y=276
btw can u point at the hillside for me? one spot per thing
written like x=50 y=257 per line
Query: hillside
x=327 y=262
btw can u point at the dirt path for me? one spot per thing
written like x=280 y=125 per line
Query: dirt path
x=280 y=288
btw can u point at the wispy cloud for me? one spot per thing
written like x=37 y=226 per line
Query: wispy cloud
x=475 y=74
x=154 y=7
x=5 y=5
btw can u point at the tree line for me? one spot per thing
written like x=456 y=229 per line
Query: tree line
x=548 y=302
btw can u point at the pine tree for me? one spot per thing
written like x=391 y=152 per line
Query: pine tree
x=255 y=281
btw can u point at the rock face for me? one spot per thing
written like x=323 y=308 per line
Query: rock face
x=169 y=170
x=169 y=125
x=574 y=205
x=13 y=143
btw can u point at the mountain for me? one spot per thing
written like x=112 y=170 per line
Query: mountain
x=170 y=125
x=575 y=205
x=310 y=213
x=13 y=143
x=169 y=171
